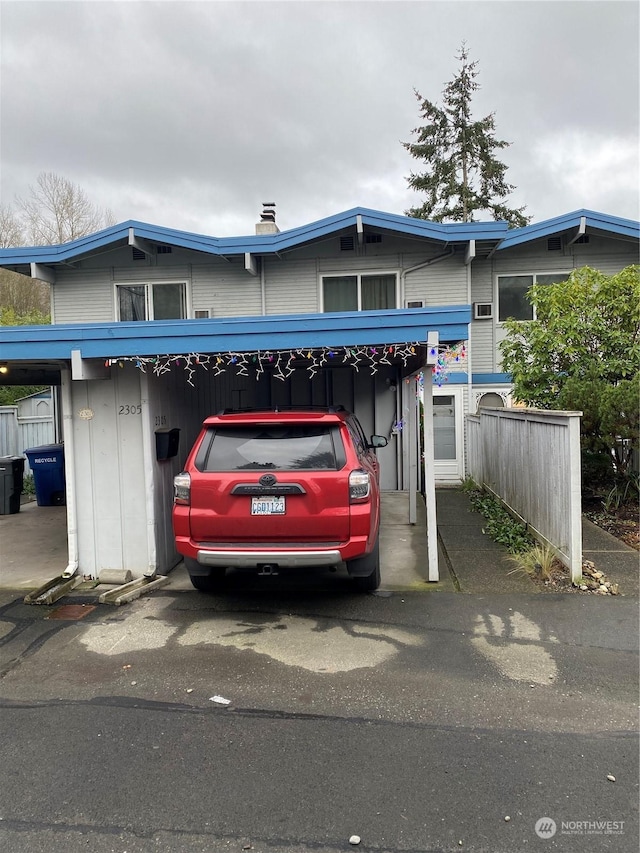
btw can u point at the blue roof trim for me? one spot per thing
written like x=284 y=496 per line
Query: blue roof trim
x=233 y=334
x=594 y=220
x=265 y=244
x=256 y=244
x=491 y=378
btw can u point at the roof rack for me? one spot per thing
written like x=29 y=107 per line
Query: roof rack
x=276 y=409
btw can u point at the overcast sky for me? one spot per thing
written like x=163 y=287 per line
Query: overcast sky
x=189 y=115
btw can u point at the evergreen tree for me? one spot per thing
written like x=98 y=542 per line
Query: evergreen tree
x=462 y=175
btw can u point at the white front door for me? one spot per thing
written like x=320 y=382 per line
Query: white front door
x=447 y=434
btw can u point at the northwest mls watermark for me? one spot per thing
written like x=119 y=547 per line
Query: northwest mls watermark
x=547 y=827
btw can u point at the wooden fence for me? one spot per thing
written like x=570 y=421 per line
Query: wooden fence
x=530 y=460
x=18 y=434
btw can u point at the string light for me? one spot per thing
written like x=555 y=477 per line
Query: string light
x=284 y=362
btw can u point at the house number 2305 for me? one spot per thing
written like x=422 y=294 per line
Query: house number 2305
x=130 y=410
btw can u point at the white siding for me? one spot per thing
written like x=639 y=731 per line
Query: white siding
x=226 y=289
x=291 y=287
x=83 y=297
x=109 y=481
x=442 y=283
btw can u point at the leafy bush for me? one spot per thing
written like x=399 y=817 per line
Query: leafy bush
x=501 y=526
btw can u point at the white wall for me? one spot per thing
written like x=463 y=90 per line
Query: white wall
x=109 y=473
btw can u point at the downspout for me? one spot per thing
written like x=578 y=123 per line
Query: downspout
x=148 y=455
x=70 y=472
x=471 y=253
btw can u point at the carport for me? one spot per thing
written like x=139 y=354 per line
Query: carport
x=124 y=386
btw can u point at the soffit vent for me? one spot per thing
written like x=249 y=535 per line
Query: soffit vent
x=138 y=255
x=347 y=243
x=554 y=244
x=373 y=238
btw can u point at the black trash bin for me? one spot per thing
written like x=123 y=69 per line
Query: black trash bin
x=11 y=480
x=47 y=465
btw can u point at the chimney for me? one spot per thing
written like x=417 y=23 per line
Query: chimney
x=267 y=224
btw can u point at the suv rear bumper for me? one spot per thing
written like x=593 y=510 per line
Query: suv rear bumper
x=249 y=559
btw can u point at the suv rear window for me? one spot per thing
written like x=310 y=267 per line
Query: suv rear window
x=281 y=447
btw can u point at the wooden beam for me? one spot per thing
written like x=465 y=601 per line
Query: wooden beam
x=43 y=273
x=140 y=243
x=250 y=263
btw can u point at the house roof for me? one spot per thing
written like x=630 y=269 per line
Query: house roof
x=580 y=221
x=490 y=235
x=263 y=244
x=233 y=334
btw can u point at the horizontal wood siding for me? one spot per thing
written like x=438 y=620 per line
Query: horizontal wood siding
x=82 y=296
x=145 y=274
x=530 y=459
x=482 y=347
x=610 y=256
x=226 y=289
x=442 y=283
x=291 y=287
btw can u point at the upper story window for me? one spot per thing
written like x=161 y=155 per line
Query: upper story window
x=512 y=294
x=359 y=292
x=165 y=301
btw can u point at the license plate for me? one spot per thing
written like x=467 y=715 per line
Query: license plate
x=268 y=505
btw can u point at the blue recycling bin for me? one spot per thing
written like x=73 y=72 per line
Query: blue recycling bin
x=47 y=465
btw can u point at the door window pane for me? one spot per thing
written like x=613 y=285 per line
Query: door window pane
x=168 y=301
x=132 y=302
x=378 y=291
x=341 y=293
x=444 y=427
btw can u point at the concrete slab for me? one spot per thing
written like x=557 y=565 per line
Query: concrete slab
x=33 y=545
x=619 y=562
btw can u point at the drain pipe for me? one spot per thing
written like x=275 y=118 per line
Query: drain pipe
x=70 y=471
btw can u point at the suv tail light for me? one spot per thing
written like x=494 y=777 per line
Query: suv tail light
x=182 y=489
x=359 y=486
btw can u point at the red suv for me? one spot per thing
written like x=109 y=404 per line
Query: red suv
x=279 y=489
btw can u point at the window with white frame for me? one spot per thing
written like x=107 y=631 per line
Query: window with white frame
x=513 y=302
x=157 y=301
x=359 y=292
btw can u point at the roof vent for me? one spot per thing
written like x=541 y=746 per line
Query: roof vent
x=347 y=243
x=138 y=255
x=267 y=224
x=373 y=238
x=554 y=244
x=164 y=250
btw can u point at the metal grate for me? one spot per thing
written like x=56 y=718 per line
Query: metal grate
x=347 y=244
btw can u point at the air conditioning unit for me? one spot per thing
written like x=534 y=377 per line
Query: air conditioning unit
x=483 y=310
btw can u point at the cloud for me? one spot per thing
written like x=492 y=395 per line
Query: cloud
x=190 y=114
x=591 y=169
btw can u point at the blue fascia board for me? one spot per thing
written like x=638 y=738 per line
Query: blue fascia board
x=598 y=221
x=262 y=244
x=491 y=378
x=233 y=334
x=460 y=377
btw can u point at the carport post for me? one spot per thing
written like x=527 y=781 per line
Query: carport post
x=429 y=458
